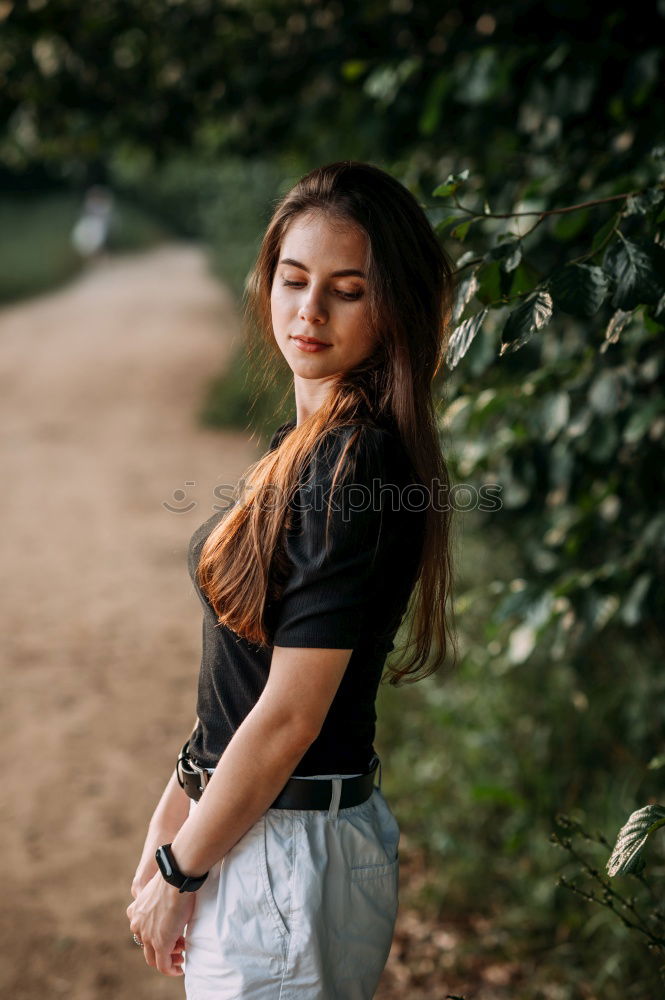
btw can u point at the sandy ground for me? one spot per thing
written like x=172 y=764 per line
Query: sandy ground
x=99 y=386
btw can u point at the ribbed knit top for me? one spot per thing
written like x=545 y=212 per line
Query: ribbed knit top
x=349 y=594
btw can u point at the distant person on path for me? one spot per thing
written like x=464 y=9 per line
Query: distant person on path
x=271 y=865
x=91 y=230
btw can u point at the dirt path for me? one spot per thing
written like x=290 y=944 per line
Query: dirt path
x=99 y=385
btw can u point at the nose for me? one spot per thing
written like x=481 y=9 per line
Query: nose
x=311 y=309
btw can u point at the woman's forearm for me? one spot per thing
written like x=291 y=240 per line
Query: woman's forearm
x=169 y=815
x=251 y=772
x=173 y=807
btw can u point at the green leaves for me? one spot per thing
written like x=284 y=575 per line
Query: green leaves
x=578 y=289
x=642 y=202
x=385 y=82
x=554 y=414
x=463 y=294
x=603 y=235
x=574 y=441
x=605 y=393
x=453 y=219
x=353 y=69
x=534 y=313
x=460 y=230
x=463 y=336
x=633 y=272
x=508 y=253
x=627 y=854
x=631 y=608
x=642 y=420
x=451 y=184
x=638 y=272
x=430 y=115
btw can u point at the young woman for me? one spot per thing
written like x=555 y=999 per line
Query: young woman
x=277 y=850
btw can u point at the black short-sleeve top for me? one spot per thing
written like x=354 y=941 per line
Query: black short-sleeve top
x=346 y=590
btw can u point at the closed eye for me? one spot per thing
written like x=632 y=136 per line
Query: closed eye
x=349 y=296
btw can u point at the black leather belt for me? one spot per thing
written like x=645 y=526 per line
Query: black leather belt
x=298 y=793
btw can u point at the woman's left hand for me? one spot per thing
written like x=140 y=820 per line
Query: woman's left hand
x=158 y=917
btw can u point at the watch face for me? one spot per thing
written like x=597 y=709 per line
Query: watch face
x=188 y=883
x=163 y=857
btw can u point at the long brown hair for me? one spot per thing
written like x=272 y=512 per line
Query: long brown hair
x=410 y=289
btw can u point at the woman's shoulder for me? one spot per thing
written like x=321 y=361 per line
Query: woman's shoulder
x=367 y=434
x=279 y=433
x=357 y=437
x=371 y=447
x=367 y=451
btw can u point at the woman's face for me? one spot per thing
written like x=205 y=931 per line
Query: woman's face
x=319 y=292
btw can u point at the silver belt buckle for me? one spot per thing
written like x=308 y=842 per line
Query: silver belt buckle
x=186 y=765
x=204 y=776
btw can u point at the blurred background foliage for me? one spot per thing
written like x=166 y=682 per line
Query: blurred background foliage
x=532 y=134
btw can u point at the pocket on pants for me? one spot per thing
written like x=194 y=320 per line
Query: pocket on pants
x=374 y=871
x=375 y=900
x=359 y=873
x=236 y=946
x=371 y=896
x=375 y=836
x=277 y=849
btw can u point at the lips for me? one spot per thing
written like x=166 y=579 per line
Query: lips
x=311 y=340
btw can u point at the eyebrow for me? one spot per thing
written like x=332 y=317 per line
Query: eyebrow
x=346 y=271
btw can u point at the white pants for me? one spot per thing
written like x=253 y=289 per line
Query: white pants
x=303 y=907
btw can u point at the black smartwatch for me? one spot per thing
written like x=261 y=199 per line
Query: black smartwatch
x=173 y=875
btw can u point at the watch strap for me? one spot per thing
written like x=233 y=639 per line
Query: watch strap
x=172 y=874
